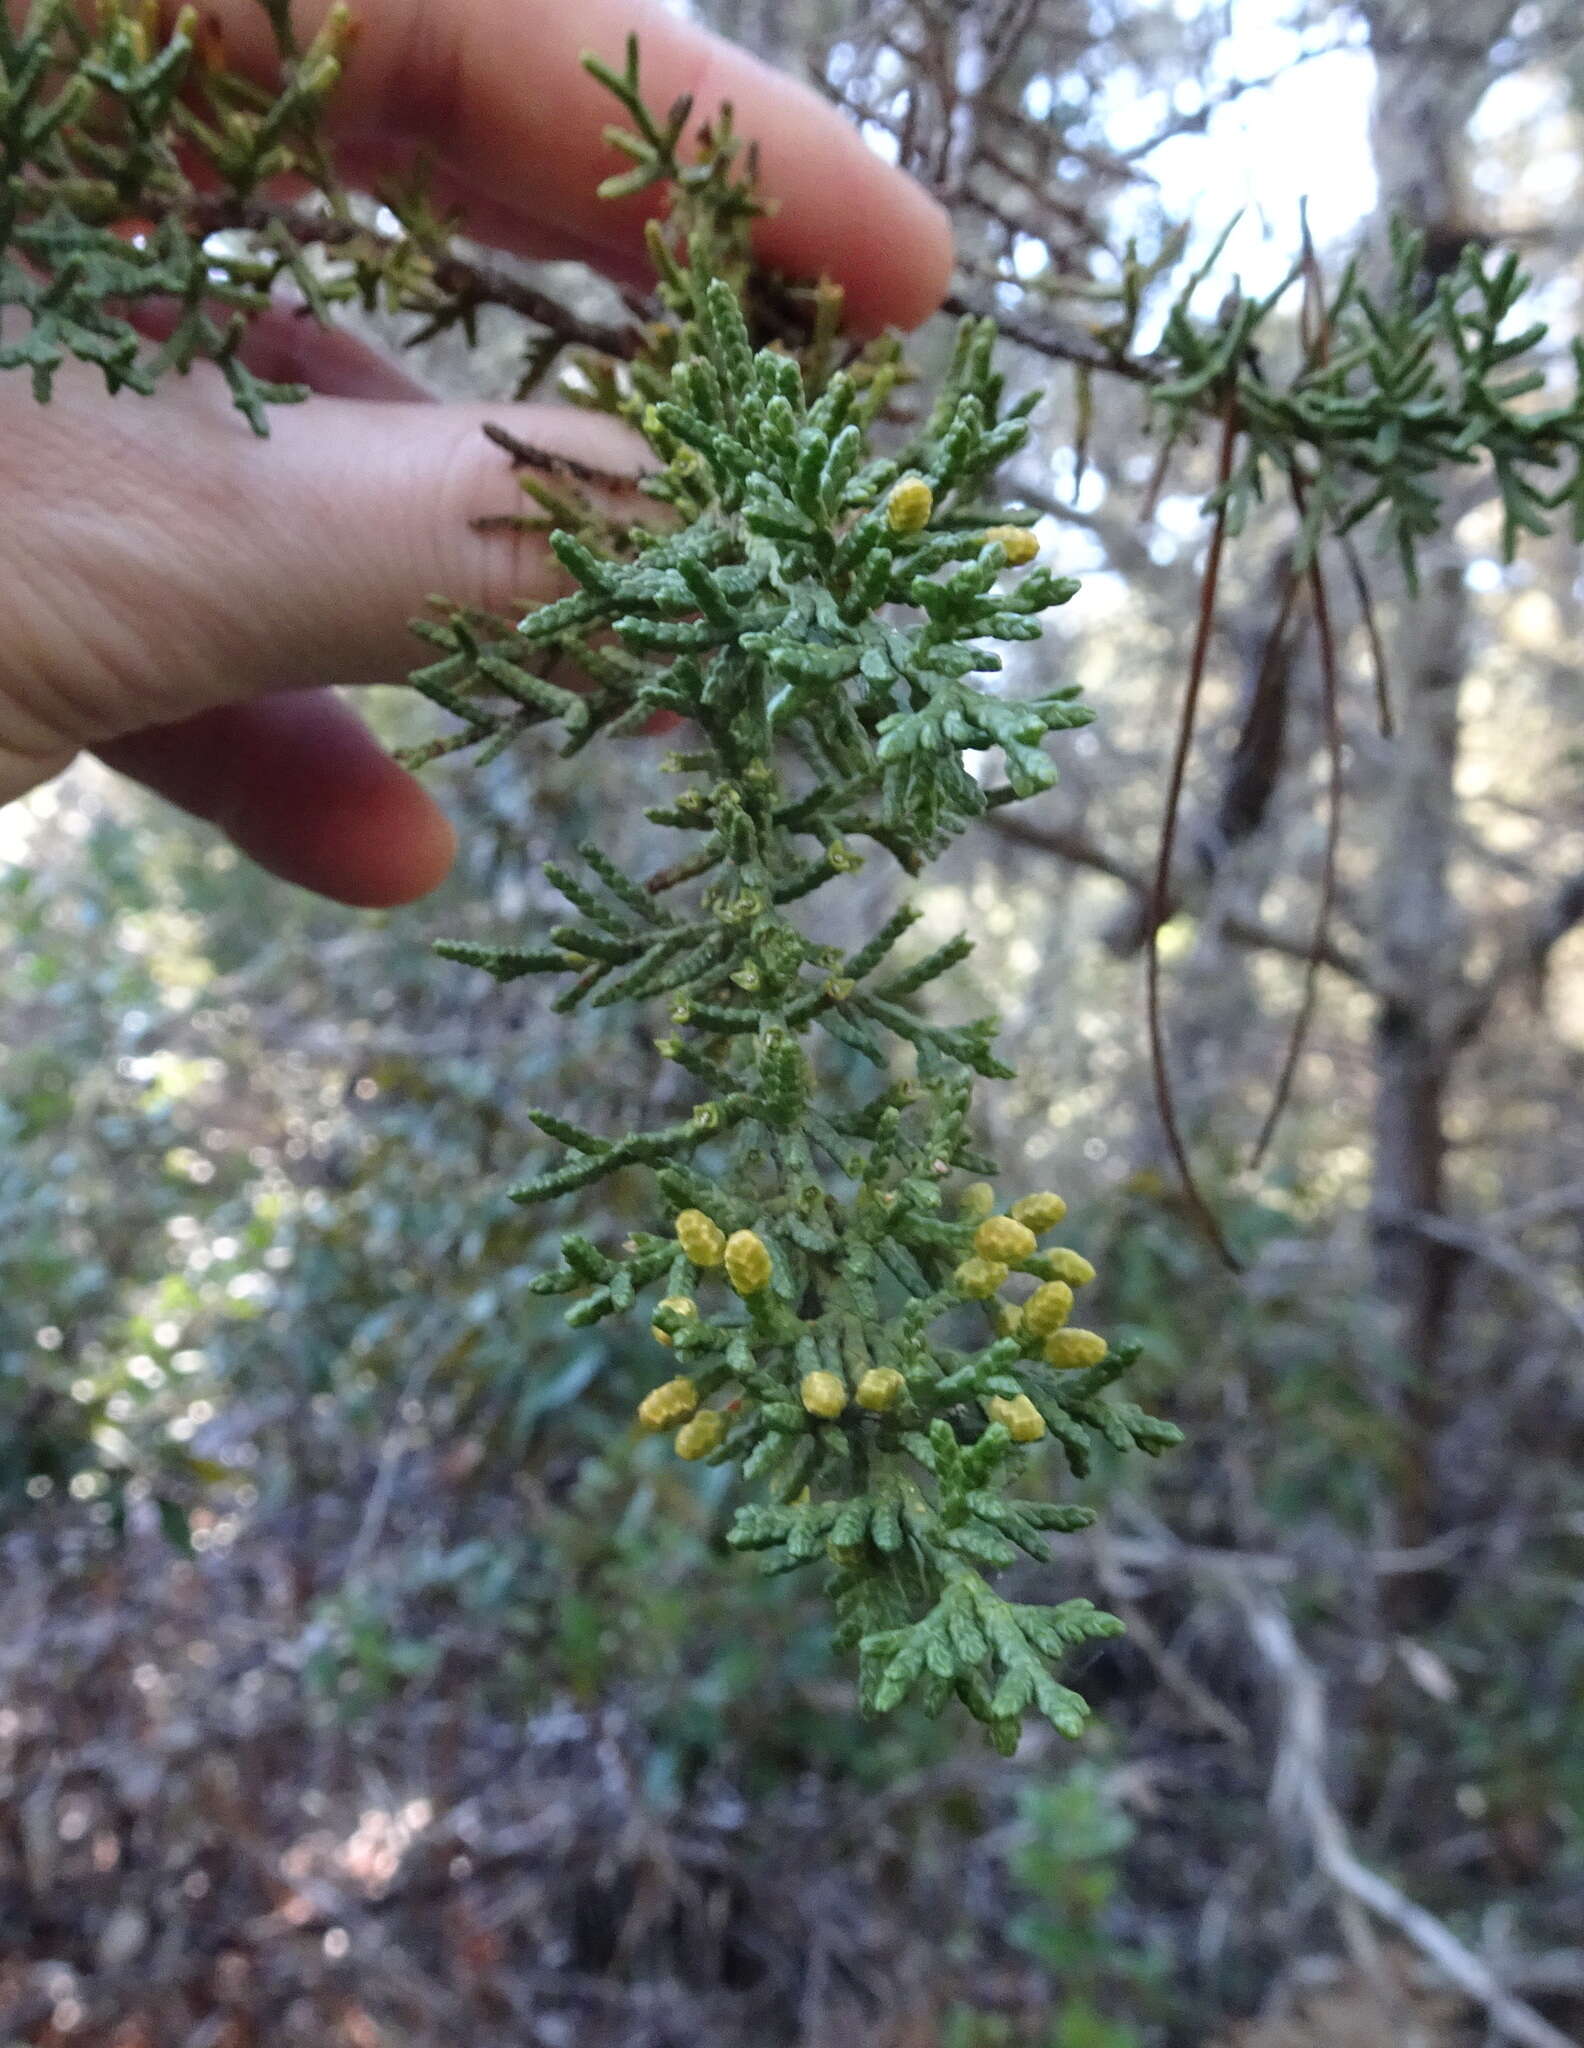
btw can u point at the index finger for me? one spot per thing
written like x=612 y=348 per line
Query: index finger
x=497 y=88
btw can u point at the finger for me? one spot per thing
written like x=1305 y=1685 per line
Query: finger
x=285 y=347
x=157 y=588
x=497 y=224
x=300 y=785
x=288 y=348
x=498 y=88
x=353 y=517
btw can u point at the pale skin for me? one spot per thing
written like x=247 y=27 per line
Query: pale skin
x=179 y=598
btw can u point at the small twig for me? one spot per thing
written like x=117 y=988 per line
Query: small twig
x=1160 y=890
x=1492 y=1251
x=1538 y=1208
x=397 y=1442
x=1527 y=951
x=525 y=455
x=463 y=281
x=1157 y=478
x=1168 y=1667
x=1056 y=338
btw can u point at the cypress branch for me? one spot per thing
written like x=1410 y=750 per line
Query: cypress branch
x=770 y=619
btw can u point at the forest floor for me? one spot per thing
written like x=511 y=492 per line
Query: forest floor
x=192 y=1855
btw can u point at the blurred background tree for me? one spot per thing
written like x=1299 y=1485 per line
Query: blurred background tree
x=364 y=1679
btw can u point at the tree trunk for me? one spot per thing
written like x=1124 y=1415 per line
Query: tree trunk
x=1426 y=90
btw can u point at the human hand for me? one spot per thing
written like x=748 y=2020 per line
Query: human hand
x=177 y=596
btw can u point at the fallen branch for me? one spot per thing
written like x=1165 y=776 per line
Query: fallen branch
x=1298 y=1791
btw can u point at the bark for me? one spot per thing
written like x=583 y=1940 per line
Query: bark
x=1419 y=979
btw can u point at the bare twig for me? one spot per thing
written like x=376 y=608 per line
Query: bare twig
x=1254 y=766
x=1160 y=889
x=1495 y=1251
x=1526 y=953
x=549 y=462
x=472 y=283
x=1372 y=632
x=398 y=1440
x=1536 y=1208
x=1053 y=336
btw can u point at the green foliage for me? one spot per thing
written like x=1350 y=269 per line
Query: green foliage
x=141 y=196
x=125 y=156
x=710 y=200
x=251 y=1240
x=1395 y=384
x=823 y=613
x=1065 y=1863
x=820 y=611
x=212 y=1227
